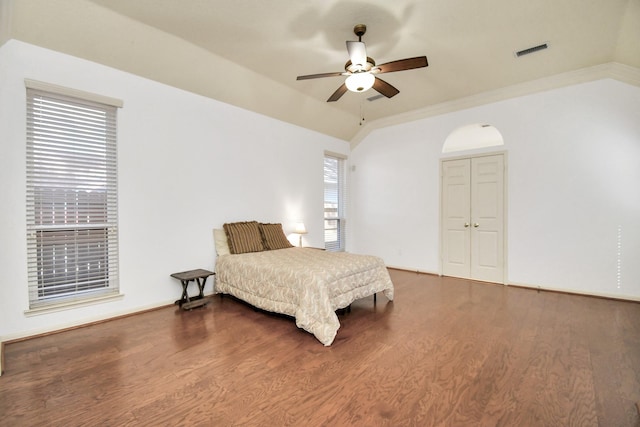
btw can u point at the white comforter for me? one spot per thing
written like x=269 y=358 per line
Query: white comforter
x=305 y=283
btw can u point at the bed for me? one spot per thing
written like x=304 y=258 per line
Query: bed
x=309 y=284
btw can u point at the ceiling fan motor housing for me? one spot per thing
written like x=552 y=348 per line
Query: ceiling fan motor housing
x=360 y=68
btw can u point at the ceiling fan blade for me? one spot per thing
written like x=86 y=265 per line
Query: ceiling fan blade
x=403 y=64
x=357 y=52
x=338 y=93
x=385 y=88
x=317 y=76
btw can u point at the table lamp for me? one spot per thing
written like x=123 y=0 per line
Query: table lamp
x=300 y=229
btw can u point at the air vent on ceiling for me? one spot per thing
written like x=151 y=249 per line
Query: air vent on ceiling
x=374 y=98
x=533 y=49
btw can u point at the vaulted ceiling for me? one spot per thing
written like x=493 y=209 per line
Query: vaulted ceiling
x=248 y=52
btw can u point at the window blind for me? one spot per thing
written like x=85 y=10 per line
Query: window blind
x=72 y=233
x=334 y=203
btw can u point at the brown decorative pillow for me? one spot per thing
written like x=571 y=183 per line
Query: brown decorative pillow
x=273 y=237
x=243 y=237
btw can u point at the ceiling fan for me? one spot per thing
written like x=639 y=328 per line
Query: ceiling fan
x=361 y=70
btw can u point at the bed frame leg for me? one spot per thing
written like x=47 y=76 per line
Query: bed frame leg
x=344 y=310
x=374 y=298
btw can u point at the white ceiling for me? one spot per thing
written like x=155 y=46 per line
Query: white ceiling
x=249 y=52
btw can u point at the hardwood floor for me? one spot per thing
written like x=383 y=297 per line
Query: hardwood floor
x=446 y=352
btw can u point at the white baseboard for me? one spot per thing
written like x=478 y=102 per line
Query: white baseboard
x=576 y=292
x=395 y=267
x=84 y=322
x=540 y=288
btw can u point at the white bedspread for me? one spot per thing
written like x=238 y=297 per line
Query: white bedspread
x=308 y=284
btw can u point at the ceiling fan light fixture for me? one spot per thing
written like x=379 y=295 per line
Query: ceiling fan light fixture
x=360 y=82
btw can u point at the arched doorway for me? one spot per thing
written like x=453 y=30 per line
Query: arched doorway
x=473 y=206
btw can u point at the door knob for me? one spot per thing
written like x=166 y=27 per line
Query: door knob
x=476 y=225
x=466 y=224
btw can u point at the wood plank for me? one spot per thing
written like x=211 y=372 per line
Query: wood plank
x=445 y=352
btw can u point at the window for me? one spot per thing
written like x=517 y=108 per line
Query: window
x=72 y=237
x=334 y=202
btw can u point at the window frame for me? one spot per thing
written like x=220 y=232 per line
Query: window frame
x=336 y=190
x=71 y=209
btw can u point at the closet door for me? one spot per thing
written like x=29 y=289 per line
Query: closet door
x=473 y=218
x=456 y=208
x=487 y=218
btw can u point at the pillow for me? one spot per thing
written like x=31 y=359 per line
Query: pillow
x=220 y=238
x=243 y=237
x=273 y=237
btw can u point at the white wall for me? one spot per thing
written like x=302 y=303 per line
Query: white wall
x=186 y=164
x=573 y=188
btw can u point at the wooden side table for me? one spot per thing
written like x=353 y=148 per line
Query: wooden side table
x=200 y=277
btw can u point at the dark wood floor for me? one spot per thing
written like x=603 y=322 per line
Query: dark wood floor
x=446 y=352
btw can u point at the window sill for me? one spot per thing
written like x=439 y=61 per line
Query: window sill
x=72 y=305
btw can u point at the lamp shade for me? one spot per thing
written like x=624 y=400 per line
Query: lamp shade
x=360 y=82
x=300 y=228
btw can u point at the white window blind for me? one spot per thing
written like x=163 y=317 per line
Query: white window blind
x=72 y=233
x=334 y=203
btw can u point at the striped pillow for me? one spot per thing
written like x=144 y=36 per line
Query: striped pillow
x=273 y=237
x=243 y=237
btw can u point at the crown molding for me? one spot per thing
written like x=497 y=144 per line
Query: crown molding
x=614 y=70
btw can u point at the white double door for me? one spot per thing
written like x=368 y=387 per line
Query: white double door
x=473 y=218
